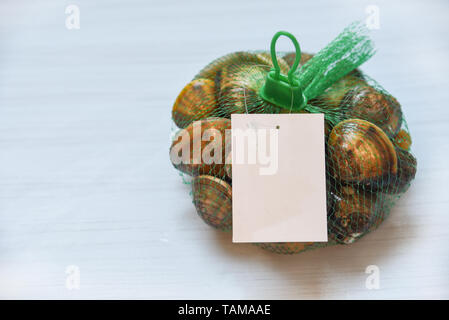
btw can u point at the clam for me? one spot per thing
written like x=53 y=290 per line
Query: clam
x=239 y=89
x=403 y=140
x=196 y=150
x=405 y=174
x=265 y=58
x=228 y=166
x=291 y=56
x=368 y=103
x=196 y=101
x=213 y=70
x=335 y=94
x=360 y=152
x=327 y=128
x=352 y=214
x=285 y=247
x=239 y=86
x=213 y=201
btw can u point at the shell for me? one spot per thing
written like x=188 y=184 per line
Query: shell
x=406 y=172
x=285 y=247
x=228 y=166
x=336 y=93
x=352 y=214
x=265 y=58
x=327 y=129
x=196 y=101
x=365 y=102
x=239 y=89
x=403 y=140
x=239 y=86
x=213 y=201
x=290 y=58
x=212 y=70
x=360 y=152
x=185 y=140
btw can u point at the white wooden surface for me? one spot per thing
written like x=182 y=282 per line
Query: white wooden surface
x=85 y=178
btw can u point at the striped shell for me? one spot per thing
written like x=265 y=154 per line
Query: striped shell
x=193 y=155
x=291 y=56
x=196 y=101
x=213 y=201
x=285 y=247
x=403 y=140
x=406 y=172
x=365 y=102
x=336 y=93
x=213 y=70
x=360 y=152
x=239 y=85
x=228 y=166
x=352 y=214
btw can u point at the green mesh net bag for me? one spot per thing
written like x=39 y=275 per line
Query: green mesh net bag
x=368 y=160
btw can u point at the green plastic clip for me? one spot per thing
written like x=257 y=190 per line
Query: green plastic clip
x=283 y=91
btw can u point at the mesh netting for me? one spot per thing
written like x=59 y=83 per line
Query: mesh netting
x=368 y=160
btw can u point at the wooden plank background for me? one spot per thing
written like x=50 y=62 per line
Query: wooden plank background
x=85 y=177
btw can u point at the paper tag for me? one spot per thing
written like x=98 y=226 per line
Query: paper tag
x=278 y=178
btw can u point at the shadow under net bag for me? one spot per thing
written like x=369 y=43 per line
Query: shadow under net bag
x=368 y=160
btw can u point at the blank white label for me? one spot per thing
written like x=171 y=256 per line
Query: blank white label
x=278 y=178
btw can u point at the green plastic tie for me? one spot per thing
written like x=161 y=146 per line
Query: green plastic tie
x=347 y=51
x=283 y=91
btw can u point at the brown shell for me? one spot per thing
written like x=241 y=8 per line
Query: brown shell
x=291 y=56
x=335 y=94
x=196 y=101
x=406 y=172
x=353 y=213
x=228 y=166
x=239 y=85
x=250 y=76
x=265 y=58
x=360 y=152
x=212 y=70
x=239 y=89
x=403 y=140
x=213 y=201
x=327 y=128
x=185 y=140
x=365 y=102
x=285 y=247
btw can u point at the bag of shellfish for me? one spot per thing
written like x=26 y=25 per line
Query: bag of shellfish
x=368 y=160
